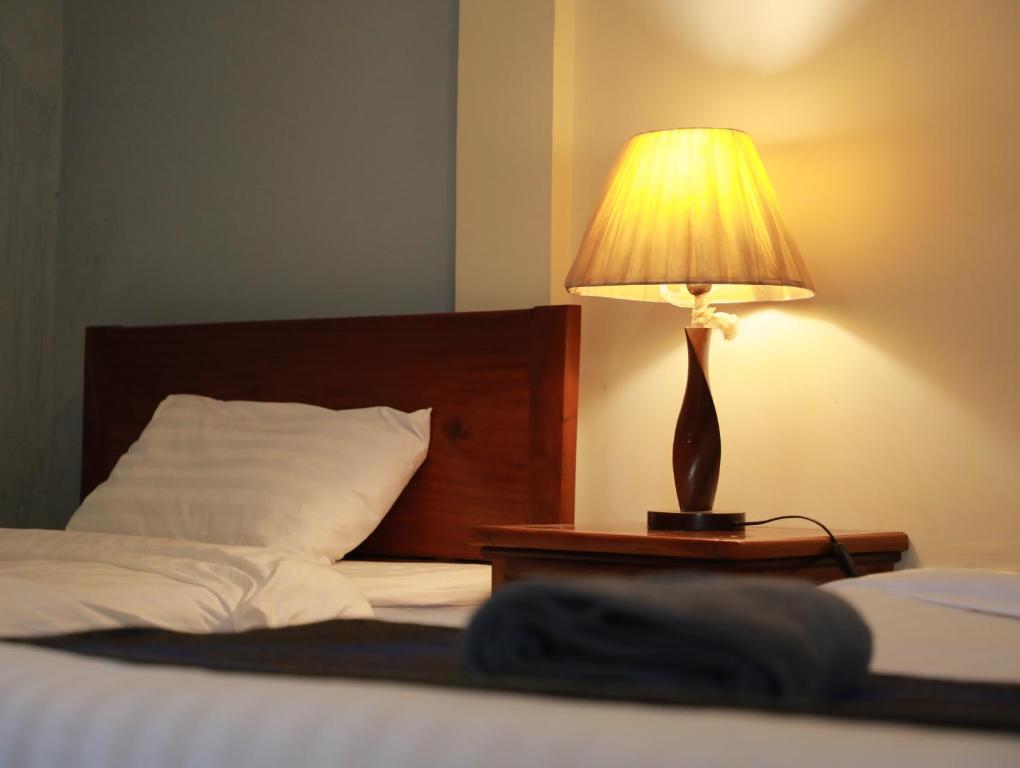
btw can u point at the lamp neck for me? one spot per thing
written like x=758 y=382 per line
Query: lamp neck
x=702 y=315
x=699 y=318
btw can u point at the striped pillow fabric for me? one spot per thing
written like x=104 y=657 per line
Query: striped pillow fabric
x=296 y=477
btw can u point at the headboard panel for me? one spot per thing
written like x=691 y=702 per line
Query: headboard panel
x=502 y=385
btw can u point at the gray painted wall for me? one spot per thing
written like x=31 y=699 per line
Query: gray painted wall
x=30 y=69
x=228 y=160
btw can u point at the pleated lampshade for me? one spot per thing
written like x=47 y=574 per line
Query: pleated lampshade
x=689 y=206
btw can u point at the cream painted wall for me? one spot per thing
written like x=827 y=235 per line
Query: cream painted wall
x=889 y=400
x=504 y=151
x=561 y=229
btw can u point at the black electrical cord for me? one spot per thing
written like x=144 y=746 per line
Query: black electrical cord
x=839 y=552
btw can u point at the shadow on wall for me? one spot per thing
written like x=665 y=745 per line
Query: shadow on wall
x=889 y=137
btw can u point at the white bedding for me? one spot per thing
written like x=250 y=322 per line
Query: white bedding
x=945 y=623
x=53 y=582
x=436 y=615
x=61 y=709
x=996 y=593
x=58 y=709
x=442 y=594
x=419 y=584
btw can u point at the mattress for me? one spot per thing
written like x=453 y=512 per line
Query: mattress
x=443 y=594
x=57 y=708
x=944 y=623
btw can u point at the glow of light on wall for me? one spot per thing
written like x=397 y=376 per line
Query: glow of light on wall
x=765 y=36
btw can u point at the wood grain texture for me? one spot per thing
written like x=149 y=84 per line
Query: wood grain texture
x=625 y=538
x=527 y=551
x=515 y=565
x=502 y=386
x=697 y=446
x=554 y=375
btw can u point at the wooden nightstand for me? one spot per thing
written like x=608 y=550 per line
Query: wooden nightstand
x=529 y=551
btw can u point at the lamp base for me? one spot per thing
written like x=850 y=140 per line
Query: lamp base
x=695 y=521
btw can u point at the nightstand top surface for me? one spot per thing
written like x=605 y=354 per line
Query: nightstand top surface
x=634 y=538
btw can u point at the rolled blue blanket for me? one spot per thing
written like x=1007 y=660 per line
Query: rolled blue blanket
x=683 y=634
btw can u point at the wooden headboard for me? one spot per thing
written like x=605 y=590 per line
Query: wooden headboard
x=502 y=386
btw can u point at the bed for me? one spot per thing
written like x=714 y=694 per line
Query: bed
x=503 y=391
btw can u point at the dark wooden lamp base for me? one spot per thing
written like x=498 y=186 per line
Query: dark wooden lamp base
x=696 y=521
x=696 y=448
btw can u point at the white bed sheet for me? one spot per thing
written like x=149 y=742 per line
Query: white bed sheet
x=441 y=594
x=436 y=615
x=419 y=583
x=943 y=623
x=54 y=582
x=61 y=709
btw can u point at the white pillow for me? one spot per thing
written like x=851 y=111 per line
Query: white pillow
x=296 y=477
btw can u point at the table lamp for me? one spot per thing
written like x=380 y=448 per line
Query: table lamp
x=688 y=216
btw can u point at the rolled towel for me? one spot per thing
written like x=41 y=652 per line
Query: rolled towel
x=680 y=634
